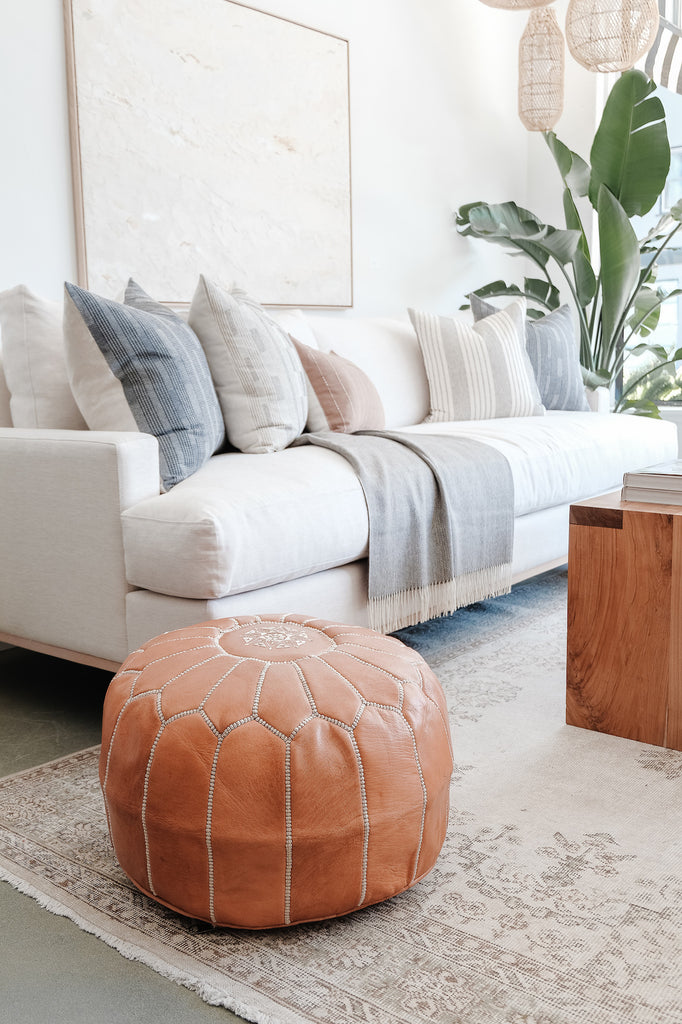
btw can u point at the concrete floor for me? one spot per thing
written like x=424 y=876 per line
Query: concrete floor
x=50 y=970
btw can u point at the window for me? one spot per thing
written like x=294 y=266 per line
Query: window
x=673 y=186
x=664 y=385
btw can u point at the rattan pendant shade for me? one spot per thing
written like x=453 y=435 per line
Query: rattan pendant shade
x=610 y=35
x=541 y=71
x=516 y=5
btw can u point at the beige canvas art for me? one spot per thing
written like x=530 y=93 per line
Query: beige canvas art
x=209 y=137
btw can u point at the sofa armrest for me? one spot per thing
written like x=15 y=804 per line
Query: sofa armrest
x=61 y=548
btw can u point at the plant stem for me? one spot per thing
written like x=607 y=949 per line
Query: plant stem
x=672 y=294
x=584 y=328
x=666 y=242
x=644 y=274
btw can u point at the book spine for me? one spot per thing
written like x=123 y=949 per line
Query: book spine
x=653 y=483
x=651 y=495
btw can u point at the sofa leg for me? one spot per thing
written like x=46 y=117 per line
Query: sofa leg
x=9 y=640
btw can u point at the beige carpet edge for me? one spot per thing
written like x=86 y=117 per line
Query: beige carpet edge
x=30 y=769
x=54 y=900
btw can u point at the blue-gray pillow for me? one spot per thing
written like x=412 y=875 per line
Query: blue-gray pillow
x=162 y=371
x=553 y=353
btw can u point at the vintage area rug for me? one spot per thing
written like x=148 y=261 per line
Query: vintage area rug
x=557 y=898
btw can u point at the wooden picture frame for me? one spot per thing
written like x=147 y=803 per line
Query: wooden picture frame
x=214 y=139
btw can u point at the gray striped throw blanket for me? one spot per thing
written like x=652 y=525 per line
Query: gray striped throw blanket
x=441 y=521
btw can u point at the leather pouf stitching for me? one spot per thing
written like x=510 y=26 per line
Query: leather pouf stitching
x=268 y=770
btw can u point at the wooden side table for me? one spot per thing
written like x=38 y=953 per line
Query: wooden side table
x=624 y=666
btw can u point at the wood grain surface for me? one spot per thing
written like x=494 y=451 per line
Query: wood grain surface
x=624 y=662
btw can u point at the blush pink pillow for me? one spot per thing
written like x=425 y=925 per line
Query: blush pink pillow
x=341 y=396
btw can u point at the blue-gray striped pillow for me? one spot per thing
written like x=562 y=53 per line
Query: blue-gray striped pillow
x=163 y=372
x=553 y=353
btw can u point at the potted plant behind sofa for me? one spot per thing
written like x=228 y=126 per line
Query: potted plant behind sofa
x=614 y=291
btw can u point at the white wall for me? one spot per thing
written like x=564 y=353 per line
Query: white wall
x=433 y=125
x=36 y=219
x=584 y=95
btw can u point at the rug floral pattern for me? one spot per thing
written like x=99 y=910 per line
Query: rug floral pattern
x=557 y=898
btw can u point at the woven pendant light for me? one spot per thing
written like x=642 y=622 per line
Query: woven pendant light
x=610 y=35
x=516 y=5
x=541 y=71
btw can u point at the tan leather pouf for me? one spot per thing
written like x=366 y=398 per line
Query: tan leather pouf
x=268 y=770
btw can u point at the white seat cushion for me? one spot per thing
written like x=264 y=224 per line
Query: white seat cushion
x=248 y=521
x=565 y=456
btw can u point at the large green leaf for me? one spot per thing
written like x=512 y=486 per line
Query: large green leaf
x=620 y=266
x=583 y=274
x=595 y=378
x=631 y=154
x=639 y=407
x=644 y=348
x=534 y=289
x=646 y=312
x=512 y=227
x=664 y=227
x=574 y=171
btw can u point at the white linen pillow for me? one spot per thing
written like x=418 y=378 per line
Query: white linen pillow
x=256 y=371
x=97 y=389
x=34 y=361
x=478 y=371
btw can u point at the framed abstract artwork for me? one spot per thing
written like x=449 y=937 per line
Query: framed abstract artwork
x=209 y=137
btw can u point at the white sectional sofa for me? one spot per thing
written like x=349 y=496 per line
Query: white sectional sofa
x=94 y=560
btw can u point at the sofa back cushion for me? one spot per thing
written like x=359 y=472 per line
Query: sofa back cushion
x=295 y=323
x=33 y=356
x=388 y=352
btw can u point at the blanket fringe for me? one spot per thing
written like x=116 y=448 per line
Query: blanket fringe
x=408 y=607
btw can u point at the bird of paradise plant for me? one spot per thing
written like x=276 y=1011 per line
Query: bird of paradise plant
x=614 y=290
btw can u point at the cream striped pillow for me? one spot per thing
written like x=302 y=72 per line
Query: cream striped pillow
x=478 y=371
x=257 y=373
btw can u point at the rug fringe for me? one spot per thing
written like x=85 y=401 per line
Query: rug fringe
x=408 y=607
x=204 y=990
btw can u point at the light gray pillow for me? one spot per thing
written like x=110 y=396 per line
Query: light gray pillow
x=553 y=353
x=159 y=368
x=35 y=367
x=257 y=373
x=478 y=371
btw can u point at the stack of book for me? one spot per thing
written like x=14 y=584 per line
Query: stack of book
x=660 y=484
